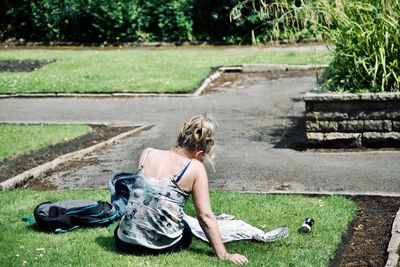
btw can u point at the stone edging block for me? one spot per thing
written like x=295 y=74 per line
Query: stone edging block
x=207 y=82
x=281 y=67
x=327 y=97
x=394 y=243
x=393 y=259
x=316 y=136
x=382 y=135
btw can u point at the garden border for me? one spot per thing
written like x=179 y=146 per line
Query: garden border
x=245 y=68
x=35 y=172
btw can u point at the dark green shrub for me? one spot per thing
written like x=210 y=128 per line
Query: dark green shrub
x=164 y=20
x=114 y=21
x=82 y=21
x=13 y=19
x=212 y=23
x=99 y=21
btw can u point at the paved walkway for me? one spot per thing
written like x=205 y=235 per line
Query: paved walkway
x=252 y=112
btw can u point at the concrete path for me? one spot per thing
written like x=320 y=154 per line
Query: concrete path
x=253 y=114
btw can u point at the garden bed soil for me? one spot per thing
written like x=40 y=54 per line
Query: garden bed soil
x=227 y=78
x=367 y=239
x=16 y=165
x=23 y=65
x=364 y=244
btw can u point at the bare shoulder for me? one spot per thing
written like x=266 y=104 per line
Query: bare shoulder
x=147 y=149
x=144 y=153
x=196 y=175
x=196 y=164
x=198 y=168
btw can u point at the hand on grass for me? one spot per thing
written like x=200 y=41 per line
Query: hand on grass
x=236 y=258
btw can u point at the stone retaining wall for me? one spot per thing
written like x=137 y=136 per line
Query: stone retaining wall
x=353 y=120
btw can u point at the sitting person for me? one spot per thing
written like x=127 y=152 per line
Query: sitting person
x=153 y=222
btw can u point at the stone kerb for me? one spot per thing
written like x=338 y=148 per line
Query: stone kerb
x=353 y=120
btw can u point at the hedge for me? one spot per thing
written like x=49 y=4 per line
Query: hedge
x=97 y=21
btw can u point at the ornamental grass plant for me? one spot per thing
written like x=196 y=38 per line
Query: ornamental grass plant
x=365 y=34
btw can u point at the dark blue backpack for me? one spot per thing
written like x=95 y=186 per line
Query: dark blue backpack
x=120 y=188
x=64 y=216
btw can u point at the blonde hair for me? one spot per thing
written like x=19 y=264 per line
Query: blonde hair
x=198 y=134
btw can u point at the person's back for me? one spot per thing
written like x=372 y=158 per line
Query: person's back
x=153 y=222
x=162 y=164
x=154 y=211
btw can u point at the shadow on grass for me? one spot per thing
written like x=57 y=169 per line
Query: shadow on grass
x=33 y=226
x=201 y=251
x=108 y=244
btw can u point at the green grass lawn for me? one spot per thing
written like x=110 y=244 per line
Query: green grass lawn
x=135 y=70
x=16 y=139
x=23 y=243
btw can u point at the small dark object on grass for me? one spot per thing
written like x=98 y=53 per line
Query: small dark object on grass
x=307 y=225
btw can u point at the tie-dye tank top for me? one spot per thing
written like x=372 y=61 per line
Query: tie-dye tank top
x=154 y=212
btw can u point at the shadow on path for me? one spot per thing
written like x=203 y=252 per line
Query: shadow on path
x=290 y=133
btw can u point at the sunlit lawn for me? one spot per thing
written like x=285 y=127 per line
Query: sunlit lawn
x=23 y=244
x=16 y=139
x=171 y=70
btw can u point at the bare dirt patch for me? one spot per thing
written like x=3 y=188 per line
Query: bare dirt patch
x=227 y=78
x=368 y=236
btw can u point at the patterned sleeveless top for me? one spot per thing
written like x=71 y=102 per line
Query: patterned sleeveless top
x=154 y=211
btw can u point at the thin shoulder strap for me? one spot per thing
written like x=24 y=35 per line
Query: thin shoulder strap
x=145 y=157
x=182 y=172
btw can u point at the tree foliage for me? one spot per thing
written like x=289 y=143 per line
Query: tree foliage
x=98 y=21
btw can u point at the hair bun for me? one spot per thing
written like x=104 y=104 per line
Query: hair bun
x=198 y=133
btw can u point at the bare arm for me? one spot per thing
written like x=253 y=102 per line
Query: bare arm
x=207 y=221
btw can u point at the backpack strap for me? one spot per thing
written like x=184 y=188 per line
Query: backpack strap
x=28 y=219
x=182 y=172
x=60 y=230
